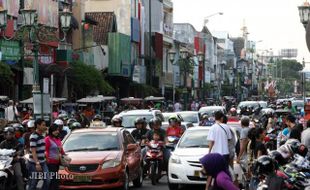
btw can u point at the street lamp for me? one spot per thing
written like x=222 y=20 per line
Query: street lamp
x=201 y=59
x=184 y=53
x=206 y=20
x=29 y=17
x=65 y=21
x=304 y=13
x=171 y=55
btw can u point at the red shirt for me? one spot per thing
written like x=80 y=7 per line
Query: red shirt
x=175 y=131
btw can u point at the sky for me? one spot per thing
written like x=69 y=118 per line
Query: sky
x=275 y=23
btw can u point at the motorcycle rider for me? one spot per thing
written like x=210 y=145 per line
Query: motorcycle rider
x=205 y=120
x=64 y=117
x=291 y=108
x=19 y=130
x=31 y=129
x=97 y=121
x=116 y=121
x=11 y=142
x=76 y=125
x=140 y=131
x=174 y=128
x=62 y=132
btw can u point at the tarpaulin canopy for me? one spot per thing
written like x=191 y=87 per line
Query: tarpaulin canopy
x=30 y=100
x=96 y=99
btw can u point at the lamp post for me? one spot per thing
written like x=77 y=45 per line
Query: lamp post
x=30 y=27
x=201 y=59
x=239 y=70
x=304 y=13
x=206 y=20
x=171 y=55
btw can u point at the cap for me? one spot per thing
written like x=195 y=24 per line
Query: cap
x=58 y=122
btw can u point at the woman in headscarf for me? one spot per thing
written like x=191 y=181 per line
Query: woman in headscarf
x=214 y=165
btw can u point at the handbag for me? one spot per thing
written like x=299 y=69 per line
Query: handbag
x=65 y=160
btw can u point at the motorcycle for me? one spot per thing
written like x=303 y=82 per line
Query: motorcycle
x=154 y=159
x=172 y=142
x=6 y=170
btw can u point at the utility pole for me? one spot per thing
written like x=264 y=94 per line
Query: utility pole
x=150 y=44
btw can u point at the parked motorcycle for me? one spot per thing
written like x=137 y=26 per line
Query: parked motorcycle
x=154 y=159
x=6 y=170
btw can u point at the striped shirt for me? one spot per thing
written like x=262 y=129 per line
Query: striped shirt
x=37 y=141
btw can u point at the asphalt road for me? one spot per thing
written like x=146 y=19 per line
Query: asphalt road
x=163 y=185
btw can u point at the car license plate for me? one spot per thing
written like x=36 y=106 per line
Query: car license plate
x=82 y=179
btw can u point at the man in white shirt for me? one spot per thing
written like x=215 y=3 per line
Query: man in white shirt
x=11 y=112
x=218 y=136
x=177 y=107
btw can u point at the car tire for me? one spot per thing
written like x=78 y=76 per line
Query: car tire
x=139 y=180
x=173 y=186
x=153 y=173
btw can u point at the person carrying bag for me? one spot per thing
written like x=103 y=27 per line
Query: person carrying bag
x=55 y=155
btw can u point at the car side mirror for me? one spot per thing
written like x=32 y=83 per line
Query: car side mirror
x=131 y=147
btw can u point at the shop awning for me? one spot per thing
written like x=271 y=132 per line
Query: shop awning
x=96 y=99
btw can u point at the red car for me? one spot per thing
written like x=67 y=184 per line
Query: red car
x=101 y=159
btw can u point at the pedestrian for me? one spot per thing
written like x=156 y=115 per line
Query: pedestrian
x=219 y=135
x=295 y=129
x=30 y=130
x=260 y=148
x=11 y=142
x=11 y=112
x=291 y=108
x=231 y=144
x=54 y=152
x=215 y=165
x=177 y=107
x=60 y=124
x=305 y=136
x=37 y=165
x=244 y=140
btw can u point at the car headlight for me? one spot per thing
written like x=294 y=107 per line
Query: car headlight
x=111 y=164
x=175 y=159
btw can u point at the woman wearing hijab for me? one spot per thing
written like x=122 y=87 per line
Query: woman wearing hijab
x=214 y=165
x=54 y=151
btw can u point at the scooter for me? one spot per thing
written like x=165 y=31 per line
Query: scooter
x=6 y=170
x=154 y=159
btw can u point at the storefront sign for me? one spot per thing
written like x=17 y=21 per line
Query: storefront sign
x=10 y=50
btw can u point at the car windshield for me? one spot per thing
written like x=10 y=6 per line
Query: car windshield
x=299 y=104
x=167 y=115
x=210 y=111
x=189 y=117
x=263 y=104
x=129 y=120
x=247 y=104
x=194 y=139
x=92 y=141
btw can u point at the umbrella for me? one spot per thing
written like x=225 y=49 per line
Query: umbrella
x=152 y=98
x=30 y=100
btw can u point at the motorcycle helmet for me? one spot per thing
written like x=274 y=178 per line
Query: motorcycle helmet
x=293 y=145
x=18 y=127
x=264 y=166
x=173 y=118
x=116 y=118
x=139 y=120
x=9 y=129
x=30 y=123
x=97 y=118
x=59 y=122
x=63 y=116
x=71 y=121
x=204 y=117
x=155 y=121
x=277 y=156
x=76 y=125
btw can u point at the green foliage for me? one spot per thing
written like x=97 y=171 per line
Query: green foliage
x=87 y=79
x=289 y=70
x=6 y=75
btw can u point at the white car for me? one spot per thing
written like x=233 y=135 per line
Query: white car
x=129 y=117
x=184 y=165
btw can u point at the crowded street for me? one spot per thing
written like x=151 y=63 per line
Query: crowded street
x=154 y=94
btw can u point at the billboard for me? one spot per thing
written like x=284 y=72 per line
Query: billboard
x=47 y=11
x=12 y=6
x=289 y=53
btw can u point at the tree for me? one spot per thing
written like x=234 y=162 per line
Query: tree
x=290 y=72
x=6 y=75
x=87 y=79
